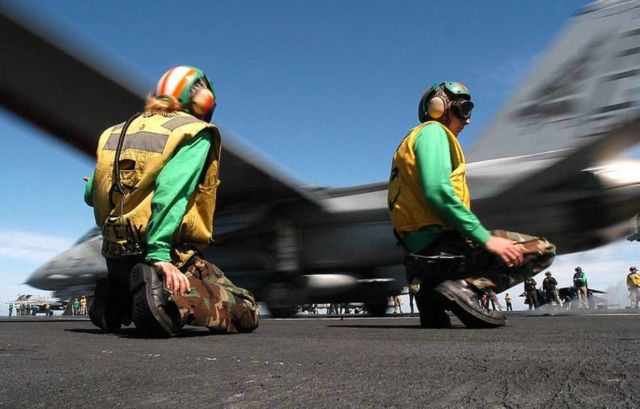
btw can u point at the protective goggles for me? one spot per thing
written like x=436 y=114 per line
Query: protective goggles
x=462 y=109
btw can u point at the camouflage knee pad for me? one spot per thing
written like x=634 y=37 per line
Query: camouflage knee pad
x=539 y=253
x=214 y=301
x=453 y=257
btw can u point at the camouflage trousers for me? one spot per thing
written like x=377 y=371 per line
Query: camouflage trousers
x=452 y=256
x=214 y=302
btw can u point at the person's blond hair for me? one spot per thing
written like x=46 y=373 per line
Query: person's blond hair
x=164 y=105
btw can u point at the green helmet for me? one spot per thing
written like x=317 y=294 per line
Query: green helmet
x=444 y=96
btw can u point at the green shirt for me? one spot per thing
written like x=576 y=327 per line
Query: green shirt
x=433 y=160
x=174 y=186
x=580 y=279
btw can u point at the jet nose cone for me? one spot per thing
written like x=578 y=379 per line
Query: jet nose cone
x=37 y=279
x=47 y=276
x=78 y=265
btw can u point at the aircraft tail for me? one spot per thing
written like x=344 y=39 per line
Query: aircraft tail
x=583 y=88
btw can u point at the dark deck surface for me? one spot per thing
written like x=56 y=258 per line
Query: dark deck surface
x=583 y=361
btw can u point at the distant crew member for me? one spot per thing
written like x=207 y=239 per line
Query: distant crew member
x=493 y=299
x=414 y=287
x=508 y=300
x=484 y=301
x=332 y=309
x=75 y=306
x=154 y=192
x=580 y=283
x=397 y=305
x=531 y=293
x=550 y=288
x=430 y=206
x=10 y=309
x=83 y=305
x=633 y=284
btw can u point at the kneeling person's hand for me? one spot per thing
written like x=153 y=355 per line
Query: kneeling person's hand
x=174 y=280
x=508 y=250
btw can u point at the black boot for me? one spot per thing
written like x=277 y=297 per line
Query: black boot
x=463 y=299
x=107 y=311
x=153 y=313
x=432 y=310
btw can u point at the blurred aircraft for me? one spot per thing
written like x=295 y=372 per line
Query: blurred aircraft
x=547 y=165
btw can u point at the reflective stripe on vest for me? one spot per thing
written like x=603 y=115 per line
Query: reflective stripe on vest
x=408 y=207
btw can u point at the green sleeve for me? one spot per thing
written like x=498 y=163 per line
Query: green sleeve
x=434 y=166
x=88 y=190
x=174 y=186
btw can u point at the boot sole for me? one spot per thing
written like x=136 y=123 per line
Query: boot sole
x=466 y=313
x=148 y=317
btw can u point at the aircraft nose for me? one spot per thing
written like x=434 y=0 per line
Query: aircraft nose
x=39 y=278
x=78 y=265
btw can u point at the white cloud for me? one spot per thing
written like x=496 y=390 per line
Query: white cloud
x=25 y=246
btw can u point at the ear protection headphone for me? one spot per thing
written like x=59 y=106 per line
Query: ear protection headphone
x=434 y=103
x=437 y=101
x=437 y=104
x=202 y=101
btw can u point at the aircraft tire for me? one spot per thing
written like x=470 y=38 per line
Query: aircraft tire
x=377 y=308
x=280 y=299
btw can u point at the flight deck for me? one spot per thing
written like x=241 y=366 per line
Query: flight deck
x=563 y=361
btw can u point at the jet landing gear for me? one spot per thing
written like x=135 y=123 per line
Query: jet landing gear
x=376 y=308
x=280 y=298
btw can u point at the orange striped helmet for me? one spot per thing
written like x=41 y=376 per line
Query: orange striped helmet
x=191 y=87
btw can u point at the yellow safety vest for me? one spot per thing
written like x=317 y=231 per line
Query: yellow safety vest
x=633 y=280
x=407 y=204
x=149 y=143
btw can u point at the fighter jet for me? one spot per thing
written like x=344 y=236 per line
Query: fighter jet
x=37 y=304
x=548 y=165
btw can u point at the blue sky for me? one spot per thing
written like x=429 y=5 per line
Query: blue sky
x=325 y=89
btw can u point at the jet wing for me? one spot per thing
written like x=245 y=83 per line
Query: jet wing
x=596 y=291
x=74 y=100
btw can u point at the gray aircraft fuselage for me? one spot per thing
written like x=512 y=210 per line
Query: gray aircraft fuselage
x=346 y=250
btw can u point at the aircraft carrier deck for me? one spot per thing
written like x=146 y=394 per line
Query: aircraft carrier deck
x=563 y=361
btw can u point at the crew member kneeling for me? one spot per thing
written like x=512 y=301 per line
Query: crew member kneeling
x=448 y=250
x=153 y=192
